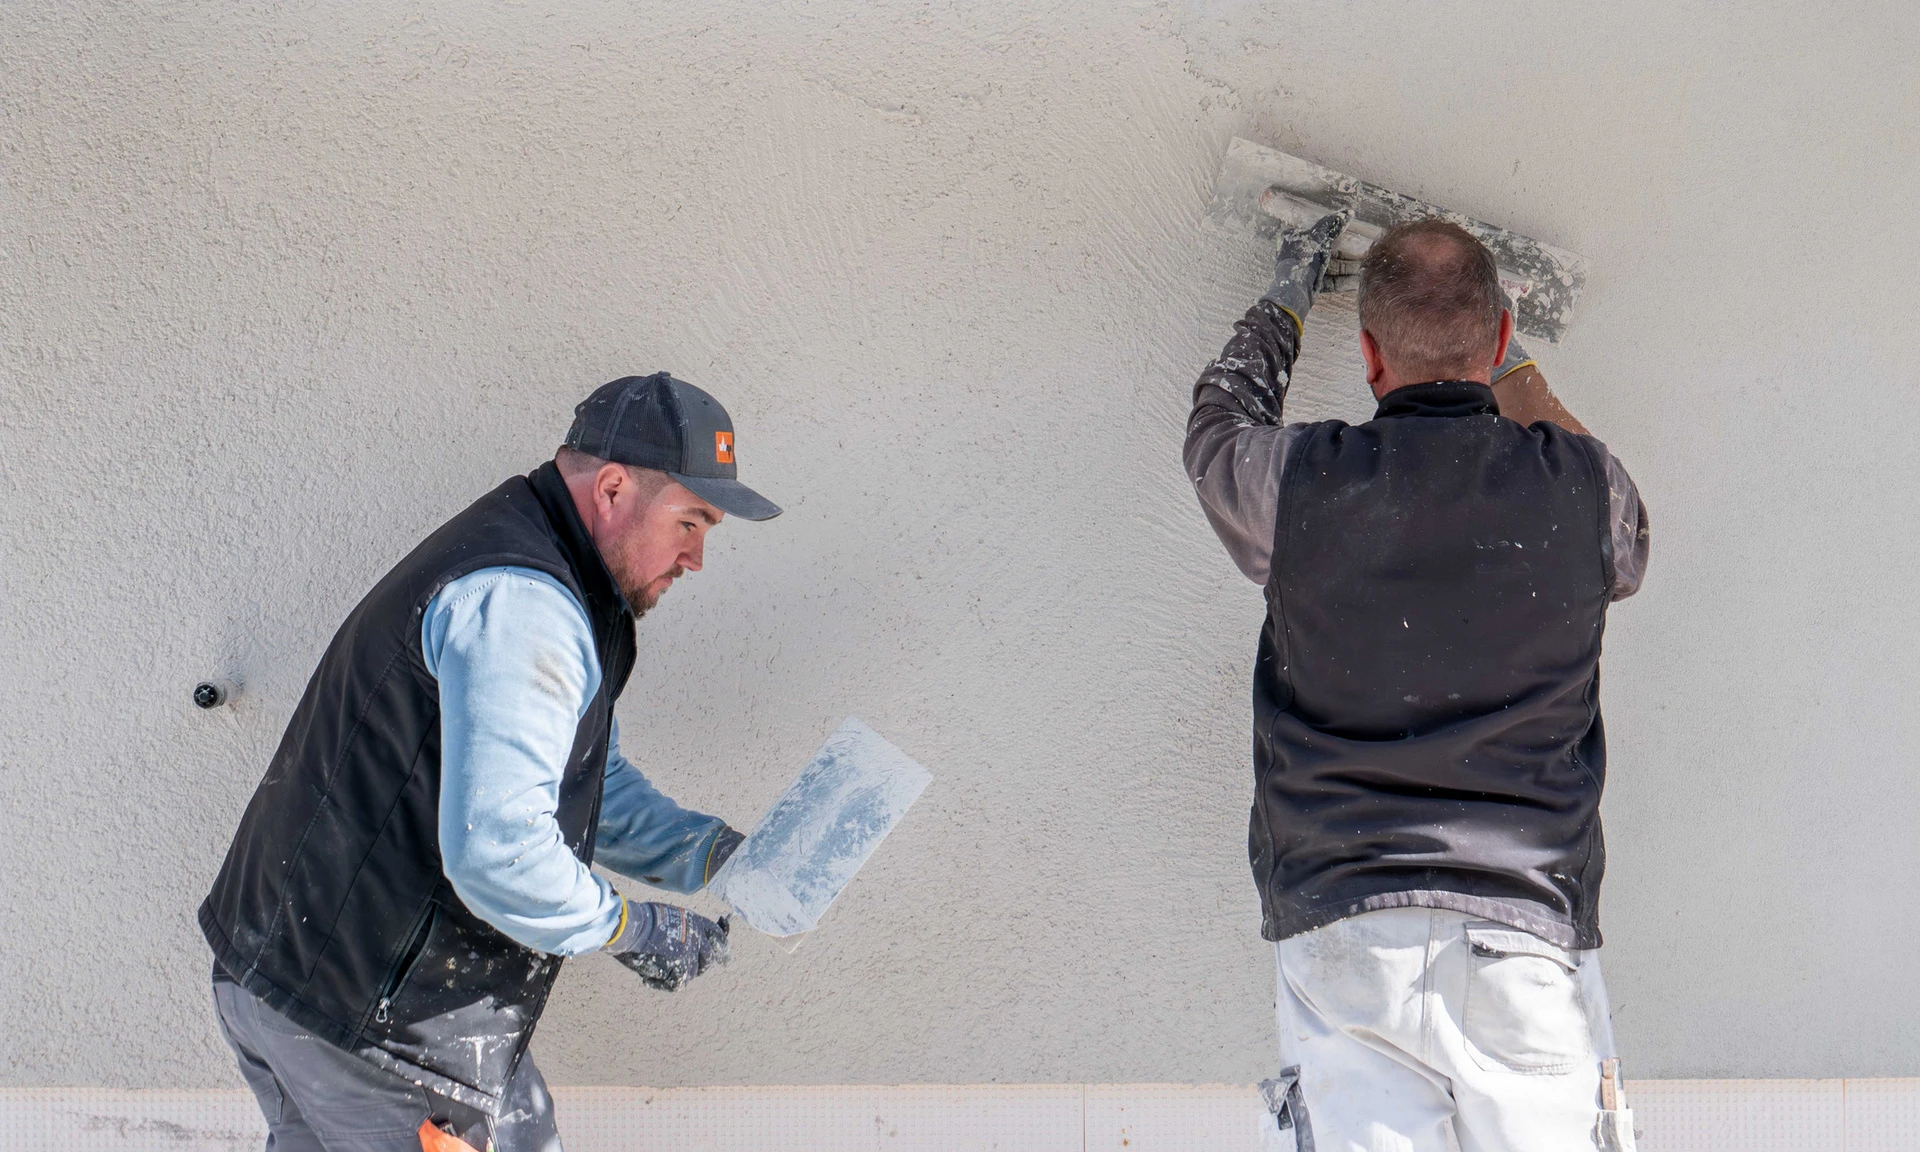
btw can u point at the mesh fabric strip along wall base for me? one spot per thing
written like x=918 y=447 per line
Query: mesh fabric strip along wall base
x=1671 y=1115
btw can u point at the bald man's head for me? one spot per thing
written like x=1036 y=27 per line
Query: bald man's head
x=1430 y=295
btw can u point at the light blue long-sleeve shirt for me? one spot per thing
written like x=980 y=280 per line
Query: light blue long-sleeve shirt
x=513 y=652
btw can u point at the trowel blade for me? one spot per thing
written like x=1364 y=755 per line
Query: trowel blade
x=806 y=849
x=1261 y=190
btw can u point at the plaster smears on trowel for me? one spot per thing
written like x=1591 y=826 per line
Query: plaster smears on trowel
x=808 y=846
x=1261 y=190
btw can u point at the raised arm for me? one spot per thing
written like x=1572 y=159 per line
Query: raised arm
x=1523 y=395
x=1236 y=444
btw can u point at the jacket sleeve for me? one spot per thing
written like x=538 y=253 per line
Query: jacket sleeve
x=645 y=835
x=514 y=657
x=1631 y=533
x=1236 y=446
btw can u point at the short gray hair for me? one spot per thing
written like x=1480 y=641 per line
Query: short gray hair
x=1430 y=294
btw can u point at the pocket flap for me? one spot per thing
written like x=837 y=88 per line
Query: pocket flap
x=1500 y=940
x=1274 y=1093
x=1287 y=1113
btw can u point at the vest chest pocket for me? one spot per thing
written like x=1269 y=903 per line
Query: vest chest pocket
x=1523 y=1010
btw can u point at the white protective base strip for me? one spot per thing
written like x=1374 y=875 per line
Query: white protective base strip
x=1671 y=1116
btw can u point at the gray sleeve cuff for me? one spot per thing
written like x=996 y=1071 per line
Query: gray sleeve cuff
x=1630 y=532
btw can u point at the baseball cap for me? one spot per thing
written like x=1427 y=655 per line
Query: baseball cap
x=670 y=426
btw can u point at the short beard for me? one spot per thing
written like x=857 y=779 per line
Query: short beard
x=639 y=602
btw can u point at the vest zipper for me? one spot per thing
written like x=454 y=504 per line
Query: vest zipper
x=404 y=969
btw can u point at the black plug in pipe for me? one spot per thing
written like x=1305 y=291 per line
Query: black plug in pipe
x=213 y=693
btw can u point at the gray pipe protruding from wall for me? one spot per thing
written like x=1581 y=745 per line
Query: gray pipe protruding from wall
x=213 y=693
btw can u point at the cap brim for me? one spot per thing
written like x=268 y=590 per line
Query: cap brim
x=730 y=496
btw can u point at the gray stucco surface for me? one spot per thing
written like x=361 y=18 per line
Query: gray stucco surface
x=281 y=287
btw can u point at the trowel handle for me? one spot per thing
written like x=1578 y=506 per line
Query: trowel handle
x=1293 y=211
x=1356 y=239
x=1299 y=212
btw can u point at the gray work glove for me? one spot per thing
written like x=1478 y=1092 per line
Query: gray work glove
x=1300 y=261
x=1516 y=357
x=667 y=946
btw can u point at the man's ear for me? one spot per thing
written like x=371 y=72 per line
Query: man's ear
x=609 y=484
x=1506 y=334
x=1370 y=352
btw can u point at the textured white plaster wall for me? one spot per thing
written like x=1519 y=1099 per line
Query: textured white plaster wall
x=282 y=286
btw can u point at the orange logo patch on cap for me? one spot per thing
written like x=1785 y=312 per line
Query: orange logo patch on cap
x=723 y=447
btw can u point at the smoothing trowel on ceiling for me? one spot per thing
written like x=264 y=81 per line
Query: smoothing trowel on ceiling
x=1263 y=190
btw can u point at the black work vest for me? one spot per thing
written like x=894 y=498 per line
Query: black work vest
x=1426 y=698
x=332 y=906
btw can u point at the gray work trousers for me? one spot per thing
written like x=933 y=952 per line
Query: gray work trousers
x=319 y=1098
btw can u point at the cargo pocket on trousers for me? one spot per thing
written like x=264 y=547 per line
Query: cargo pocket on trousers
x=1523 y=1010
x=1283 y=1125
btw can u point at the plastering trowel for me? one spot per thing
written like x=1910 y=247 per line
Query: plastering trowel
x=1263 y=190
x=808 y=846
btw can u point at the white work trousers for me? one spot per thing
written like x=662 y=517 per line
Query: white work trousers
x=1420 y=1030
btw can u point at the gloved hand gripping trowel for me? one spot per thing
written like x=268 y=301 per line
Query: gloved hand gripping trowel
x=1264 y=191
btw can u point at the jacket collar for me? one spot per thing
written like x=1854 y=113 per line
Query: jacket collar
x=604 y=599
x=1438 y=398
